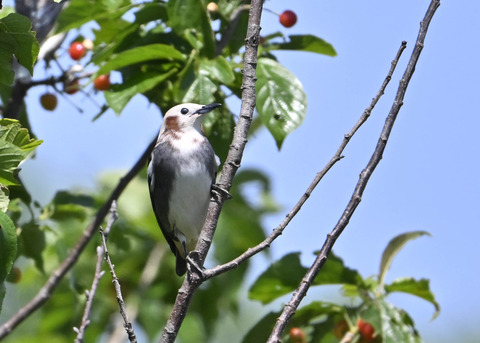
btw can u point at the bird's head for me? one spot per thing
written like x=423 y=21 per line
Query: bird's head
x=186 y=116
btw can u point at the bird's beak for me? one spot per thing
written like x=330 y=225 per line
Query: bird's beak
x=208 y=108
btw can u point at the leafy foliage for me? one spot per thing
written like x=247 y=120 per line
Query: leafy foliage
x=16 y=38
x=321 y=320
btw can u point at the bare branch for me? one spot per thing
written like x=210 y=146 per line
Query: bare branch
x=209 y=273
x=118 y=289
x=301 y=291
x=232 y=163
x=90 y=294
x=47 y=290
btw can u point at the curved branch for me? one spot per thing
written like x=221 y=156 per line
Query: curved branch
x=46 y=291
x=301 y=291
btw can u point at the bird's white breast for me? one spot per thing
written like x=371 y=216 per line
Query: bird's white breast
x=190 y=194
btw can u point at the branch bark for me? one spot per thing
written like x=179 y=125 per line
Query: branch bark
x=301 y=291
x=195 y=278
x=47 y=290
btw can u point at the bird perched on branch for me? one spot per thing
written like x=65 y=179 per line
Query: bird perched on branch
x=181 y=172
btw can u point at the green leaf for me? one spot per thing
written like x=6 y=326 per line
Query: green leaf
x=16 y=38
x=151 y=12
x=218 y=69
x=309 y=43
x=80 y=12
x=67 y=206
x=201 y=90
x=15 y=146
x=119 y=95
x=393 y=247
x=419 y=288
x=393 y=324
x=8 y=250
x=141 y=54
x=283 y=277
x=189 y=17
x=33 y=243
x=281 y=100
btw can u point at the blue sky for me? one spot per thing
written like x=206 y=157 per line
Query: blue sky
x=427 y=180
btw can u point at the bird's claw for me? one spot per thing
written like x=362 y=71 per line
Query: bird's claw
x=194 y=266
x=219 y=191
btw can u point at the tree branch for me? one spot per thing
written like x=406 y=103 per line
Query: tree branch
x=301 y=291
x=47 y=290
x=232 y=163
x=209 y=273
x=118 y=289
x=90 y=295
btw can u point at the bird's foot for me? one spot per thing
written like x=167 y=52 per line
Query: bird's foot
x=219 y=191
x=194 y=266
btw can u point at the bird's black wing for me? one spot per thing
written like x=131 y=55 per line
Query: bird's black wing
x=161 y=174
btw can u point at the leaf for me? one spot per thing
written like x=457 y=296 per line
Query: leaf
x=16 y=38
x=151 y=12
x=281 y=100
x=393 y=324
x=190 y=17
x=393 y=247
x=8 y=250
x=15 y=146
x=141 y=54
x=419 y=288
x=283 y=277
x=309 y=43
x=218 y=69
x=119 y=95
x=33 y=239
x=67 y=206
x=80 y=12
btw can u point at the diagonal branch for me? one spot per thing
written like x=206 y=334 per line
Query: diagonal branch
x=232 y=163
x=118 y=290
x=47 y=290
x=209 y=273
x=301 y=291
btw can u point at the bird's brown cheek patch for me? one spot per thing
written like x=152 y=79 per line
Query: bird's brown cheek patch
x=171 y=123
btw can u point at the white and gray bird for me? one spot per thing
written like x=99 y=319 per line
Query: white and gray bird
x=181 y=173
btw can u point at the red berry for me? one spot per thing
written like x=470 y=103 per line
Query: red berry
x=102 y=82
x=76 y=51
x=49 y=101
x=297 y=335
x=366 y=329
x=288 y=18
x=72 y=87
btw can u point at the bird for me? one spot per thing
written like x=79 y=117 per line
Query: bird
x=181 y=172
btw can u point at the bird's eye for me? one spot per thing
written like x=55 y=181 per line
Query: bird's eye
x=184 y=110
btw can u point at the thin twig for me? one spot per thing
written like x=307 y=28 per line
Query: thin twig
x=232 y=163
x=47 y=290
x=118 y=289
x=90 y=295
x=301 y=291
x=149 y=273
x=209 y=273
